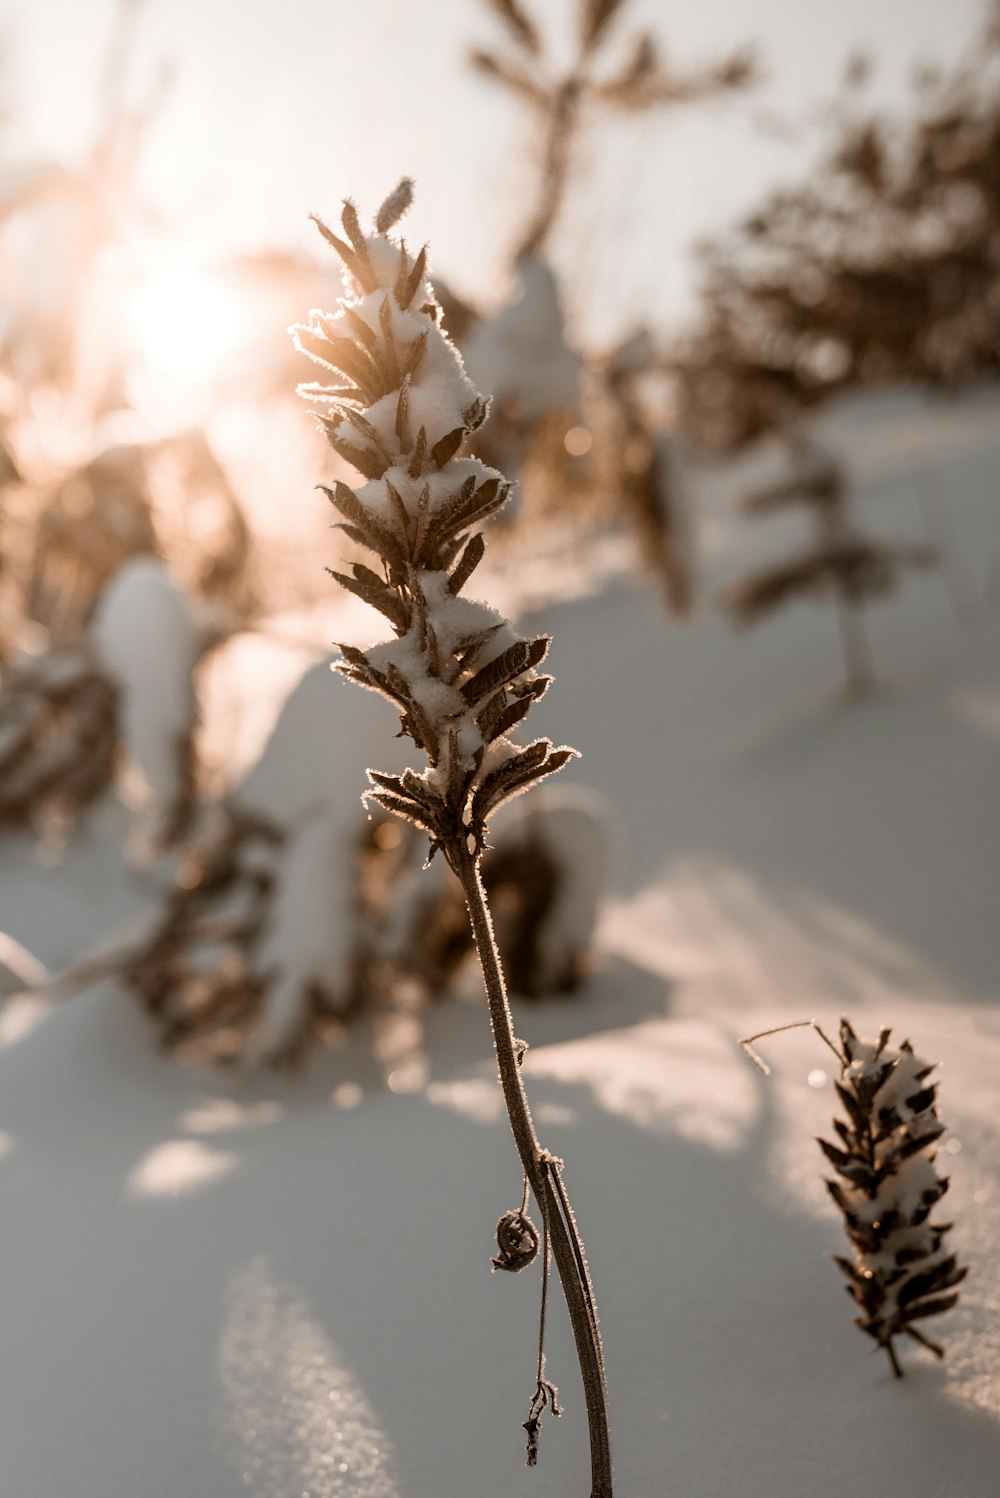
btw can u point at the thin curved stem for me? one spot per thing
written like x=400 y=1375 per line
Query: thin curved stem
x=544 y=1175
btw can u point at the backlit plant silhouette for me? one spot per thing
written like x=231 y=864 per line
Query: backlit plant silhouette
x=399 y=408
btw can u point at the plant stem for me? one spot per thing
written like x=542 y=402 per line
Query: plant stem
x=544 y=1177
x=897 y=1370
x=860 y=677
x=561 y=127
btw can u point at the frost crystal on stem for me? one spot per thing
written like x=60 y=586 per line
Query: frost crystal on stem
x=399 y=408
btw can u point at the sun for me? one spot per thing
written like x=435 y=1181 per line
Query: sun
x=186 y=322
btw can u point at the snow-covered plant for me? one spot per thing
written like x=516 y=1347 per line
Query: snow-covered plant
x=460 y=677
x=200 y=974
x=900 y=1271
x=291 y=914
x=58 y=737
x=143 y=615
x=523 y=356
x=74 y=719
x=399 y=407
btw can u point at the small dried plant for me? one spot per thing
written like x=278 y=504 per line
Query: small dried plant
x=842 y=562
x=835 y=282
x=398 y=409
x=900 y=1272
x=59 y=739
x=561 y=99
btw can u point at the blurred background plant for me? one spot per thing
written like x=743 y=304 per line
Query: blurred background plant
x=584 y=431
x=879 y=268
x=840 y=562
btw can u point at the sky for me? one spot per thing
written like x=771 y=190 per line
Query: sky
x=277 y=110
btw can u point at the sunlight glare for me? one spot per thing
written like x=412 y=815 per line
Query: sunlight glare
x=186 y=321
x=177 y=1167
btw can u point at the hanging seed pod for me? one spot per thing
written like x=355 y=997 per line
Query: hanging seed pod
x=517 y=1241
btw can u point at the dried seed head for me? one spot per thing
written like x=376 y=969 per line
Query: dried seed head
x=517 y=1241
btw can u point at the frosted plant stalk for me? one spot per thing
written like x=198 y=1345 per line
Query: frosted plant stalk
x=398 y=408
x=901 y=1271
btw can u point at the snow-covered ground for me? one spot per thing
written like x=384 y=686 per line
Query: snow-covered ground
x=282 y=1288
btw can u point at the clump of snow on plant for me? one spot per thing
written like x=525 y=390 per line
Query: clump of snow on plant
x=440 y=391
x=148 y=640
x=453 y=619
x=322 y=743
x=573 y=825
x=311 y=936
x=522 y=354
x=308 y=780
x=440 y=486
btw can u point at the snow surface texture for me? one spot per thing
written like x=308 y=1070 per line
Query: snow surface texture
x=272 y=1310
